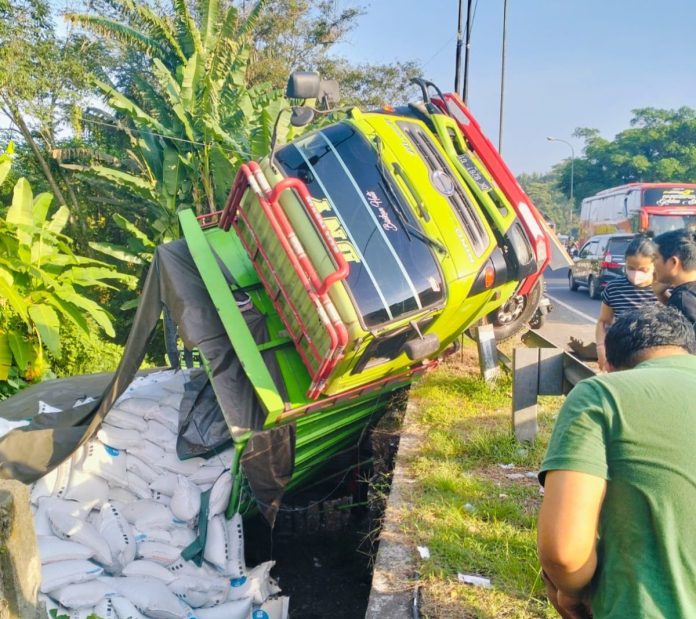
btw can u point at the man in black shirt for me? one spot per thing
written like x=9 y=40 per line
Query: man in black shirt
x=675 y=268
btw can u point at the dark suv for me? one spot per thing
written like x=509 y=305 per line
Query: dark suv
x=601 y=259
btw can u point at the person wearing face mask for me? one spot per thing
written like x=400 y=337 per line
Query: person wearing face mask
x=630 y=292
x=675 y=271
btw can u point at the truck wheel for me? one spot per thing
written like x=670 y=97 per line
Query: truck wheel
x=593 y=288
x=572 y=284
x=515 y=315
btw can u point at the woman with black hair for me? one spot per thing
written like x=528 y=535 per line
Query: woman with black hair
x=630 y=292
x=675 y=271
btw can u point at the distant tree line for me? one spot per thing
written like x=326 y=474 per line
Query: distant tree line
x=659 y=146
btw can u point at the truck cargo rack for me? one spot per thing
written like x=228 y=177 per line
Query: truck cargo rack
x=319 y=354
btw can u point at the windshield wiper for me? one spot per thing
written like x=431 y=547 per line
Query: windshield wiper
x=397 y=208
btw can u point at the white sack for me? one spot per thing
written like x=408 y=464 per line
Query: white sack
x=149 y=453
x=152 y=598
x=159 y=497
x=118 y=534
x=125 y=609
x=197 y=591
x=62 y=478
x=86 y=488
x=138 y=406
x=239 y=609
x=216 y=548
x=276 y=608
x=62 y=573
x=70 y=528
x=43 y=487
x=207 y=474
x=220 y=495
x=149 y=569
x=105 y=609
x=52 y=549
x=154 y=535
x=164 y=554
x=160 y=434
x=125 y=420
x=121 y=495
x=235 y=547
x=138 y=486
x=140 y=468
x=166 y=483
x=42 y=525
x=166 y=415
x=182 y=536
x=83 y=595
x=171 y=462
x=148 y=515
x=186 y=500
x=118 y=438
x=107 y=462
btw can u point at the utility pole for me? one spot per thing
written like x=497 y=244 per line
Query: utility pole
x=465 y=92
x=458 y=55
x=572 y=174
x=502 y=77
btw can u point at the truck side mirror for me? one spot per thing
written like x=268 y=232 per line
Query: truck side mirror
x=329 y=94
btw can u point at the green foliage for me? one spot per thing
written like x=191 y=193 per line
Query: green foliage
x=546 y=194
x=189 y=116
x=660 y=146
x=82 y=354
x=301 y=34
x=42 y=282
x=474 y=518
x=54 y=614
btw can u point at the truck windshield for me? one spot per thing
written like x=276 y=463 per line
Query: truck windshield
x=664 y=223
x=392 y=272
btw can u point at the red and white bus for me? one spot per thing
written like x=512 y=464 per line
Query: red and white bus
x=637 y=207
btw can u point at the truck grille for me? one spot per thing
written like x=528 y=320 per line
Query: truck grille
x=477 y=234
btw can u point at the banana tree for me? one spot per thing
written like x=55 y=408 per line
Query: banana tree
x=42 y=282
x=190 y=117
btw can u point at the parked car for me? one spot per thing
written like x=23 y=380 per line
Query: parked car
x=601 y=259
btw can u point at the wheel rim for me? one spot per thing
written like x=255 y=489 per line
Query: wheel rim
x=511 y=311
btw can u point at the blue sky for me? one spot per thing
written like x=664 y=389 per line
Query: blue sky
x=570 y=63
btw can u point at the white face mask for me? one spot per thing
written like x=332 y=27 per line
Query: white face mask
x=639 y=278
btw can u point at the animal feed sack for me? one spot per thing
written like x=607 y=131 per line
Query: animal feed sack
x=112 y=520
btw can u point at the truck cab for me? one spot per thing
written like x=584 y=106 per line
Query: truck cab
x=378 y=238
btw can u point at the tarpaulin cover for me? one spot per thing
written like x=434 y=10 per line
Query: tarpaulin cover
x=173 y=280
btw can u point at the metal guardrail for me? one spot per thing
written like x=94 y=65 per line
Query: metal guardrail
x=538 y=368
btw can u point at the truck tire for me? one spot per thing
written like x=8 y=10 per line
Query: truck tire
x=593 y=288
x=572 y=284
x=515 y=315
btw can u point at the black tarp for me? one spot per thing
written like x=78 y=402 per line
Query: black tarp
x=173 y=280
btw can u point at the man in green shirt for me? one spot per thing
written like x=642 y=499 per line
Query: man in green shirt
x=616 y=527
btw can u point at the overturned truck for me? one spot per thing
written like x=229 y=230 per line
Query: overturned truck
x=343 y=265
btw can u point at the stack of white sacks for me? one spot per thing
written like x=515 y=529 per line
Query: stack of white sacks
x=112 y=521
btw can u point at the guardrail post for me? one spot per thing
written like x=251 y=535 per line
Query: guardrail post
x=488 y=353
x=525 y=387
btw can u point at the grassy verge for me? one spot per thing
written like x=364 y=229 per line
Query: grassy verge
x=474 y=515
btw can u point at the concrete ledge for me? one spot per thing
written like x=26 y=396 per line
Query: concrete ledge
x=394 y=576
x=20 y=566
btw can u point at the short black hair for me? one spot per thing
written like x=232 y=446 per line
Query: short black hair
x=641 y=245
x=648 y=327
x=680 y=243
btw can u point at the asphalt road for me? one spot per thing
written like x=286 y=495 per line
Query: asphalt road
x=574 y=313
